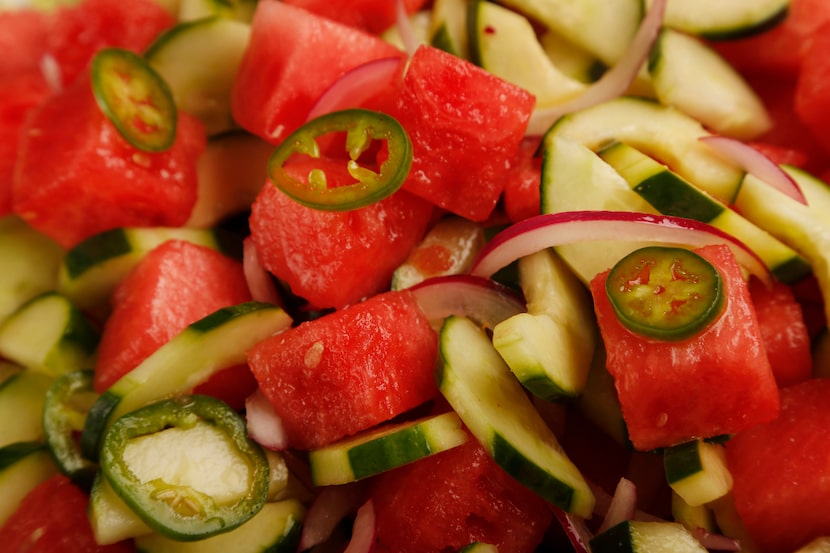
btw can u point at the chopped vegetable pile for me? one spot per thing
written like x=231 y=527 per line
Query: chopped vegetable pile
x=431 y=276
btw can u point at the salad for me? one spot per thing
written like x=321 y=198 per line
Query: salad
x=422 y=275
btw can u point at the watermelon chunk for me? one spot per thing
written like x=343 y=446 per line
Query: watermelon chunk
x=293 y=56
x=176 y=284
x=76 y=176
x=449 y=500
x=331 y=258
x=349 y=370
x=781 y=471
x=466 y=126
x=716 y=382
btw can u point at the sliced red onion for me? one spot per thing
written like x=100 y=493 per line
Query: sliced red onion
x=330 y=506
x=716 y=542
x=623 y=505
x=615 y=81
x=405 y=28
x=754 y=162
x=264 y=425
x=483 y=300
x=259 y=280
x=363 y=530
x=557 y=229
x=575 y=529
x=357 y=85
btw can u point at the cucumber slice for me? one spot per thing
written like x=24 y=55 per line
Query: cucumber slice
x=670 y=194
x=602 y=27
x=21 y=400
x=240 y=10
x=91 y=270
x=504 y=43
x=569 y=58
x=276 y=528
x=724 y=20
x=23 y=465
x=7 y=370
x=495 y=408
x=688 y=74
x=419 y=24
x=385 y=448
x=550 y=347
x=111 y=519
x=635 y=536
x=30 y=263
x=199 y=60
x=574 y=178
x=802 y=227
x=231 y=172
x=448 y=27
x=698 y=516
x=697 y=471
x=662 y=132
x=191 y=357
x=478 y=547
x=49 y=334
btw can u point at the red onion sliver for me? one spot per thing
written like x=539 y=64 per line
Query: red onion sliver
x=405 y=27
x=615 y=81
x=363 y=530
x=481 y=299
x=357 y=85
x=264 y=425
x=575 y=528
x=754 y=162
x=332 y=504
x=623 y=505
x=259 y=280
x=557 y=229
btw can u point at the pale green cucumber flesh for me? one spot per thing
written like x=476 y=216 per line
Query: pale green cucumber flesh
x=495 y=408
x=634 y=536
x=23 y=465
x=697 y=471
x=714 y=19
x=21 y=400
x=383 y=449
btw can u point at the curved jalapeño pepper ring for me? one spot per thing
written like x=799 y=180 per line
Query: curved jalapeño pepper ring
x=135 y=99
x=362 y=128
x=665 y=293
x=186 y=467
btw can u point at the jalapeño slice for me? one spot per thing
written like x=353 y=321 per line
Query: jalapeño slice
x=363 y=128
x=665 y=293
x=135 y=99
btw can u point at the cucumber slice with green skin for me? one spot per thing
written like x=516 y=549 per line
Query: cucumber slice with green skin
x=276 y=528
x=67 y=402
x=30 y=263
x=92 y=269
x=602 y=27
x=802 y=227
x=111 y=519
x=385 y=448
x=449 y=27
x=688 y=74
x=23 y=465
x=199 y=60
x=635 y=536
x=697 y=471
x=8 y=370
x=660 y=131
x=190 y=358
x=724 y=20
x=504 y=43
x=21 y=400
x=49 y=334
x=698 y=516
x=574 y=178
x=570 y=58
x=671 y=194
x=495 y=408
x=240 y=10
x=550 y=347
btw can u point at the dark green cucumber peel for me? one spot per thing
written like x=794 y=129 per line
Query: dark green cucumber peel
x=681 y=461
x=12 y=453
x=397 y=449
x=95 y=249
